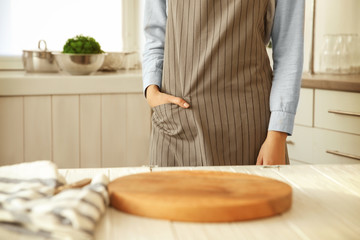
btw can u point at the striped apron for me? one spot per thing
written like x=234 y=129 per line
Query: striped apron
x=216 y=60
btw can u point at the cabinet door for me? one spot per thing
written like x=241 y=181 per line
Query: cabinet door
x=335 y=147
x=37 y=128
x=125 y=130
x=337 y=111
x=300 y=144
x=11 y=130
x=138 y=130
x=297 y=162
x=304 y=115
x=66 y=134
x=319 y=146
x=113 y=128
x=90 y=131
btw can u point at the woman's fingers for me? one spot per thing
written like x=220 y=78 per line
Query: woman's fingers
x=178 y=101
x=272 y=152
x=260 y=158
x=156 y=98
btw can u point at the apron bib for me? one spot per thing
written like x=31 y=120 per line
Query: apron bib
x=216 y=60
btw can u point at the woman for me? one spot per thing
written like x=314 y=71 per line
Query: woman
x=208 y=79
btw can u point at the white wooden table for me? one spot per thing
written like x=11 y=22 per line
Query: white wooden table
x=326 y=205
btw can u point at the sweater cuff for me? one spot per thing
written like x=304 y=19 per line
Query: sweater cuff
x=151 y=78
x=282 y=122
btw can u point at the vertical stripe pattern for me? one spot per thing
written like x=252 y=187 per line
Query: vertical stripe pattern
x=216 y=60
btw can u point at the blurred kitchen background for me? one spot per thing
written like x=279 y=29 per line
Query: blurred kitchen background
x=102 y=120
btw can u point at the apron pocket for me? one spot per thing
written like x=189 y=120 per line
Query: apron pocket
x=175 y=121
x=161 y=107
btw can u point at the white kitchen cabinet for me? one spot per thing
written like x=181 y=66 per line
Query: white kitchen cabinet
x=334 y=137
x=337 y=110
x=88 y=130
x=320 y=146
x=332 y=147
x=305 y=109
x=300 y=144
x=37 y=127
x=297 y=162
x=11 y=130
x=66 y=133
x=114 y=128
x=94 y=121
x=138 y=124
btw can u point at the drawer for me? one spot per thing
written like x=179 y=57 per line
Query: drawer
x=320 y=146
x=300 y=144
x=304 y=115
x=335 y=147
x=296 y=162
x=337 y=111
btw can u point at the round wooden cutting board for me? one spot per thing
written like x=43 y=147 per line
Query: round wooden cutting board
x=200 y=196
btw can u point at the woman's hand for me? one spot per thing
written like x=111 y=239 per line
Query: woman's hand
x=272 y=151
x=155 y=98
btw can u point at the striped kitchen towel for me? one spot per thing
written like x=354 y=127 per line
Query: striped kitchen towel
x=30 y=210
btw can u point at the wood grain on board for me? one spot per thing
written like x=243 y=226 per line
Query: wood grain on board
x=200 y=196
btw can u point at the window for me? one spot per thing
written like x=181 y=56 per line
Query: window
x=115 y=24
x=24 y=22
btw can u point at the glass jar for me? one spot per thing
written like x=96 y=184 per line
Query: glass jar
x=356 y=55
x=340 y=54
x=328 y=61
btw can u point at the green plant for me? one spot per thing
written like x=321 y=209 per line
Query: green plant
x=82 y=45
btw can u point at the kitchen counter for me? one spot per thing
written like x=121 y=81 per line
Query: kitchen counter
x=326 y=205
x=349 y=83
x=20 y=83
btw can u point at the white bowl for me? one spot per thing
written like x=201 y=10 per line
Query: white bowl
x=120 y=60
x=114 y=61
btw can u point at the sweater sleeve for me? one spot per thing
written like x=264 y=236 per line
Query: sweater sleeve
x=155 y=18
x=288 y=42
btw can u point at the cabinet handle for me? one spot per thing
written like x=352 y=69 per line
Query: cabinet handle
x=289 y=142
x=354 y=114
x=347 y=155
